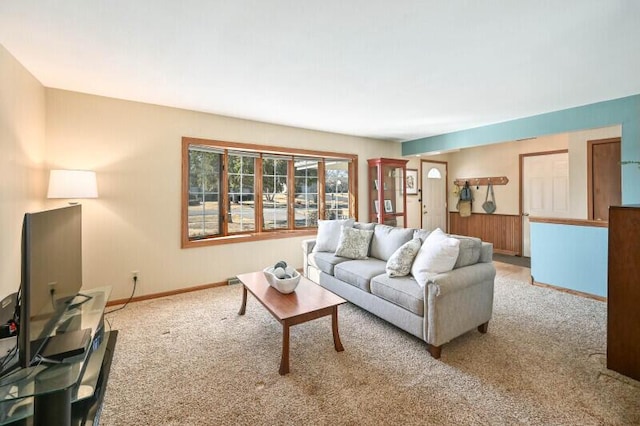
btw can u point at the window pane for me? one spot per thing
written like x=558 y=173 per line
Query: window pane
x=204 y=193
x=306 y=195
x=337 y=189
x=241 y=193
x=275 y=208
x=248 y=167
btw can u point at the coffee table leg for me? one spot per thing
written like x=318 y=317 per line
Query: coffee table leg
x=336 y=337
x=284 y=361
x=243 y=307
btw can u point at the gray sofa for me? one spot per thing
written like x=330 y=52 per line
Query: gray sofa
x=449 y=305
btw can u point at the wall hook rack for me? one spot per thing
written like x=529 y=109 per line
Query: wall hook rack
x=494 y=180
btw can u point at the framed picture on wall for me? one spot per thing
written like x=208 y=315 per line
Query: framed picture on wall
x=412 y=181
x=388 y=207
x=376 y=206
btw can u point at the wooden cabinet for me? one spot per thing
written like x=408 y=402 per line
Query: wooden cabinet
x=623 y=298
x=387 y=191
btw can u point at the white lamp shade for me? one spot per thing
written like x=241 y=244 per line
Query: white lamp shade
x=72 y=184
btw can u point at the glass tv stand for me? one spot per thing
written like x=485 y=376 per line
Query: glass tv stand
x=46 y=393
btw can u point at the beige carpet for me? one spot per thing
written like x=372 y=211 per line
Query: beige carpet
x=191 y=360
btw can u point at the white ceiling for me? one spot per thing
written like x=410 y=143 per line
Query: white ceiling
x=397 y=70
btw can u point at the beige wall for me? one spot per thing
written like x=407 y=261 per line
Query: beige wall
x=22 y=138
x=413 y=205
x=502 y=159
x=135 y=149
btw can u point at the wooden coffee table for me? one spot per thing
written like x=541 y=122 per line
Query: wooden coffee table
x=309 y=301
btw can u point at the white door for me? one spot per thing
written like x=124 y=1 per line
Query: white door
x=545 y=190
x=434 y=196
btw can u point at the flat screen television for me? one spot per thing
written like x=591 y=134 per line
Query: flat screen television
x=51 y=275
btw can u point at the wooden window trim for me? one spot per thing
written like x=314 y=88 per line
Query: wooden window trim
x=267 y=149
x=259 y=188
x=291 y=181
x=224 y=195
x=259 y=234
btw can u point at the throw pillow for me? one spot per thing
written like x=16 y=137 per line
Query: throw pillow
x=388 y=239
x=399 y=264
x=365 y=226
x=438 y=254
x=354 y=243
x=329 y=233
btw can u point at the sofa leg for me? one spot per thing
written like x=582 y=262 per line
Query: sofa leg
x=434 y=350
x=482 y=328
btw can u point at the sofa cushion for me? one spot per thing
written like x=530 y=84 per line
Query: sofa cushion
x=325 y=261
x=399 y=264
x=358 y=273
x=402 y=291
x=470 y=248
x=387 y=239
x=438 y=254
x=354 y=243
x=365 y=226
x=329 y=234
x=421 y=233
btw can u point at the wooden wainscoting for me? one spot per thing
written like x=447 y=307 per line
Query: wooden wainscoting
x=503 y=230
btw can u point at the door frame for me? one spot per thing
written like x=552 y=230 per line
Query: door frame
x=446 y=190
x=590 y=145
x=521 y=189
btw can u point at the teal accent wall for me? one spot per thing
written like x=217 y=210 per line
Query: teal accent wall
x=570 y=256
x=623 y=111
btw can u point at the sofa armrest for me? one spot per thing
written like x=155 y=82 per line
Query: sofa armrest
x=458 y=301
x=307 y=247
x=486 y=252
x=459 y=279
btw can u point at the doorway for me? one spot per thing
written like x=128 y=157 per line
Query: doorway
x=604 y=177
x=433 y=201
x=545 y=189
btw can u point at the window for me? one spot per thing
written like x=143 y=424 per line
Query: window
x=306 y=197
x=434 y=173
x=240 y=192
x=337 y=189
x=240 y=175
x=275 y=201
x=204 y=193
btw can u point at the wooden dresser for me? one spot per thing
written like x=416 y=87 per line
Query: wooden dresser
x=623 y=298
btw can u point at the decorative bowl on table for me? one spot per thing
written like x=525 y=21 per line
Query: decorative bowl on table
x=283 y=280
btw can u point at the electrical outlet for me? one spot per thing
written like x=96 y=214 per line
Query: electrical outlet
x=134 y=275
x=52 y=287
